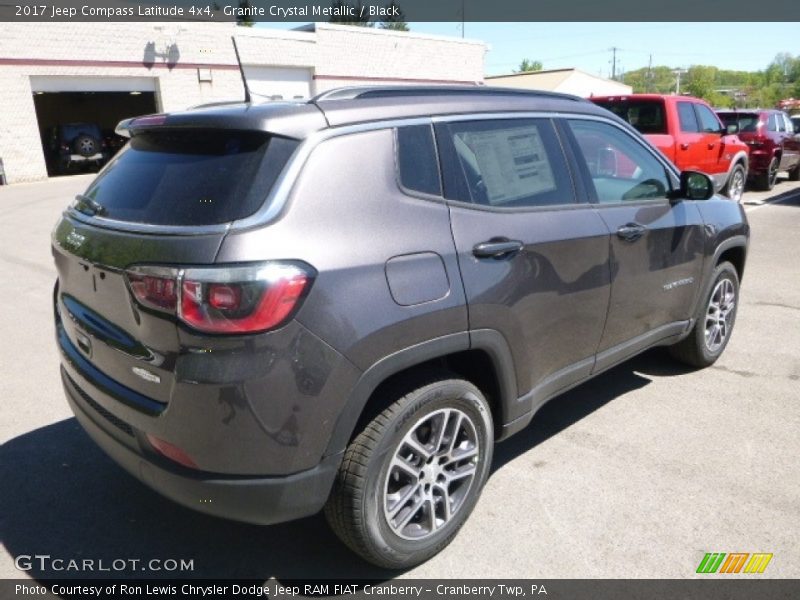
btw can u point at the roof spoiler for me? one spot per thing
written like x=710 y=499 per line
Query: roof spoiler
x=123 y=127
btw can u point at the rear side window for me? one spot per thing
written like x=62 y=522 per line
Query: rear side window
x=708 y=120
x=772 y=123
x=687 y=118
x=416 y=160
x=198 y=177
x=647 y=116
x=506 y=164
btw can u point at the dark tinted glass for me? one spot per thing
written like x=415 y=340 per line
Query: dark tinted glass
x=708 y=120
x=687 y=117
x=73 y=130
x=190 y=178
x=645 y=115
x=507 y=164
x=419 y=167
x=747 y=122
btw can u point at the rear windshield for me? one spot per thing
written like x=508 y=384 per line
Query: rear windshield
x=747 y=122
x=73 y=130
x=190 y=178
x=645 y=115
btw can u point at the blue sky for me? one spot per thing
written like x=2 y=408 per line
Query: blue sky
x=744 y=46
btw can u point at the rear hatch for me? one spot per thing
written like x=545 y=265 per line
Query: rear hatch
x=165 y=201
x=747 y=122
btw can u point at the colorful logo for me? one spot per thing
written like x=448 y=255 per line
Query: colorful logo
x=735 y=562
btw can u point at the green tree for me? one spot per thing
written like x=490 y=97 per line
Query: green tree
x=527 y=66
x=700 y=81
x=245 y=21
x=396 y=22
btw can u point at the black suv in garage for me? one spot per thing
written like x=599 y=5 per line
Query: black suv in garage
x=264 y=311
x=74 y=145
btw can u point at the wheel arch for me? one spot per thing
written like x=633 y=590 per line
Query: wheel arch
x=482 y=358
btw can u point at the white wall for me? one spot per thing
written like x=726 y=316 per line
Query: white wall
x=33 y=55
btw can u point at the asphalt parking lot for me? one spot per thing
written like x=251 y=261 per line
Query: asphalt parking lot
x=635 y=474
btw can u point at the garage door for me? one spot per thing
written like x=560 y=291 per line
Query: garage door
x=93 y=84
x=278 y=83
x=77 y=116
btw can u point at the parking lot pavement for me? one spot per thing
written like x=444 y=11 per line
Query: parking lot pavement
x=635 y=474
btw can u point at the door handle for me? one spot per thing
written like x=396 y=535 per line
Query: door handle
x=631 y=232
x=711 y=146
x=497 y=248
x=684 y=146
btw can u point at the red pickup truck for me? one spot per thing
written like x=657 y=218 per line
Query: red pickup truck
x=689 y=133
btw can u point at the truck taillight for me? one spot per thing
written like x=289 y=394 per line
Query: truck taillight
x=225 y=300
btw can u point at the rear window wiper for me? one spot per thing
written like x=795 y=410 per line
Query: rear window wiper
x=88 y=206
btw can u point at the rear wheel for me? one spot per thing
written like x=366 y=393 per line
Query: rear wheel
x=794 y=174
x=411 y=478
x=766 y=180
x=714 y=321
x=734 y=188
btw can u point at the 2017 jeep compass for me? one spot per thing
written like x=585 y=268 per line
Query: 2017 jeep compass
x=267 y=310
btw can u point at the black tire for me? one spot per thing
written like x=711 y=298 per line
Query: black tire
x=694 y=349
x=794 y=174
x=358 y=505
x=734 y=187
x=766 y=180
x=86 y=145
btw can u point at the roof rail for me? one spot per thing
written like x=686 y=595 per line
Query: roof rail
x=399 y=91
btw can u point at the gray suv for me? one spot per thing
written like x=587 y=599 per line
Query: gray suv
x=264 y=311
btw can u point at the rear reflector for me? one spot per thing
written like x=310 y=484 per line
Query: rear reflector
x=171 y=451
x=225 y=300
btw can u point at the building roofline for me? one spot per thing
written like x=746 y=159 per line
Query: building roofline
x=310 y=27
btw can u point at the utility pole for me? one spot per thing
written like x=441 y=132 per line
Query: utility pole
x=678 y=73
x=649 y=81
x=614 y=62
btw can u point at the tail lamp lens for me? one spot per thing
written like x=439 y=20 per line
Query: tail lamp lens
x=241 y=299
x=155 y=287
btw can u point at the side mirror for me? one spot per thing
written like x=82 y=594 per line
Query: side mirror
x=695 y=186
x=732 y=128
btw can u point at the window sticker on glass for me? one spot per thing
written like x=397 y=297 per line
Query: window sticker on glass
x=512 y=162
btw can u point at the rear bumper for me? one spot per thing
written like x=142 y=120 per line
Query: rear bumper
x=759 y=161
x=260 y=500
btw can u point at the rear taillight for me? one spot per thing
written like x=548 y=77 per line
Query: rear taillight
x=227 y=300
x=155 y=287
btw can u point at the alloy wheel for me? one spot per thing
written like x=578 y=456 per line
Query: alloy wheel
x=719 y=316
x=737 y=186
x=431 y=473
x=773 y=172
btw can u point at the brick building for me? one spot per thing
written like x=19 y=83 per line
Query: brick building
x=53 y=73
